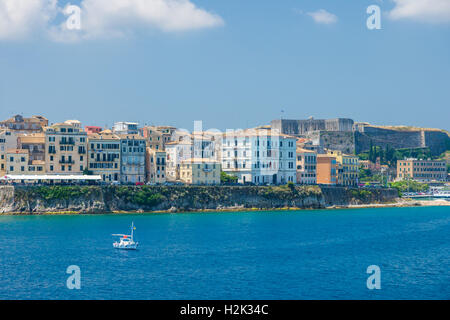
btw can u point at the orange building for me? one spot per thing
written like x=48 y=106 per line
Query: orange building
x=326 y=169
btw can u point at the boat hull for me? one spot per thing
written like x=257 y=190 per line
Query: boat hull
x=125 y=247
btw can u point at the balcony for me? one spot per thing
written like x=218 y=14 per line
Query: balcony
x=67 y=142
x=66 y=161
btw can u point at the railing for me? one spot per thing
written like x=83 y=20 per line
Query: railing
x=66 y=161
x=67 y=142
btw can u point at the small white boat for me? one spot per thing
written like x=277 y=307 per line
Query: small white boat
x=126 y=241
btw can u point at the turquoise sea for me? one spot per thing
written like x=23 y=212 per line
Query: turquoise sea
x=311 y=254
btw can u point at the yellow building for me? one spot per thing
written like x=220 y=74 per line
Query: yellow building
x=34 y=143
x=348 y=168
x=104 y=155
x=18 y=162
x=155 y=166
x=65 y=146
x=422 y=170
x=158 y=136
x=200 y=171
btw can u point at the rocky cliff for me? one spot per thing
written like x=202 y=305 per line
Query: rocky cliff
x=96 y=199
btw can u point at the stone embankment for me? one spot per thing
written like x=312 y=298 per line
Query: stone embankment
x=108 y=199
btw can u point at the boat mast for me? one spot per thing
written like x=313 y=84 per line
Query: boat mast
x=132 y=229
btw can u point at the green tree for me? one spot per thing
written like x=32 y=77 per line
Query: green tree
x=227 y=178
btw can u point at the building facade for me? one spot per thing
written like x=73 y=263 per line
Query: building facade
x=104 y=156
x=259 y=156
x=126 y=128
x=326 y=169
x=155 y=163
x=348 y=168
x=422 y=170
x=306 y=166
x=65 y=148
x=200 y=171
x=18 y=162
x=8 y=140
x=92 y=129
x=176 y=152
x=132 y=155
x=34 y=143
x=158 y=136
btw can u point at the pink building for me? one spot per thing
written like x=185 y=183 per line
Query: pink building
x=92 y=129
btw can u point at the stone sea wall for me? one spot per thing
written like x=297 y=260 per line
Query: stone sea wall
x=101 y=199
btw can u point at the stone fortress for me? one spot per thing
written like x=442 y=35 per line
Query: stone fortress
x=355 y=137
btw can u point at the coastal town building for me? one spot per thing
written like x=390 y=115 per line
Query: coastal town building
x=18 y=162
x=34 y=143
x=104 y=155
x=132 y=155
x=158 y=136
x=306 y=166
x=422 y=170
x=65 y=148
x=200 y=171
x=92 y=129
x=8 y=140
x=126 y=128
x=155 y=138
x=259 y=156
x=155 y=163
x=206 y=145
x=176 y=152
x=348 y=168
x=24 y=125
x=326 y=169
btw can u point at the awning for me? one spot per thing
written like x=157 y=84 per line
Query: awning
x=50 y=177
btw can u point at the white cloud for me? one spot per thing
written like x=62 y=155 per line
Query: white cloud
x=103 y=18
x=434 y=11
x=323 y=16
x=19 y=18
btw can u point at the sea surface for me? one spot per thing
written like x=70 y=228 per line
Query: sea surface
x=310 y=254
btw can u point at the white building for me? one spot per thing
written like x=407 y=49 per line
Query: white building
x=259 y=156
x=125 y=128
x=176 y=152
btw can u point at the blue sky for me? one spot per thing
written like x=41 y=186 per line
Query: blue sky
x=233 y=64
